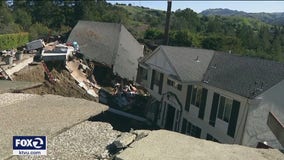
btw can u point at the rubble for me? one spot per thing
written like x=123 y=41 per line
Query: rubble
x=80 y=73
x=57 y=52
x=11 y=62
x=124 y=140
x=140 y=134
x=65 y=85
x=36 y=44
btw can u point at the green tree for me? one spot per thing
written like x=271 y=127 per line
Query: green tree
x=214 y=25
x=181 y=38
x=264 y=39
x=6 y=16
x=212 y=42
x=153 y=34
x=186 y=19
x=38 y=30
x=23 y=18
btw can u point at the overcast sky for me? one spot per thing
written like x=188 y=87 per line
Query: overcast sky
x=198 y=6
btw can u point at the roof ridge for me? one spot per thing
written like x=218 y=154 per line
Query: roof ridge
x=170 y=63
x=145 y=58
x=246 y=56
x=209 y=65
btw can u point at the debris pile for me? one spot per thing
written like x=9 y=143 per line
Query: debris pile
x=65 y=84
x=83 y=76
x=53 y=60
x=57 y=52
x=9 y=60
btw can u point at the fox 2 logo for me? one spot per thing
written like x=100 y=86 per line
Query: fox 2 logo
x=29 y=142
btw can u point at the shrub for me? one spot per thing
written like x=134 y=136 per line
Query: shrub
x=9 y=41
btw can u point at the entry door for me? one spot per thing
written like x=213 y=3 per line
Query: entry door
x=170 y=117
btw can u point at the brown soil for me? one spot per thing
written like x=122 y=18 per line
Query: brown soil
x=65 y=85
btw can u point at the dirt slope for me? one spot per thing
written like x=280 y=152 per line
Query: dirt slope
x=65 y=85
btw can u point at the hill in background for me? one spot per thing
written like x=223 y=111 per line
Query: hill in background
x=270 y=18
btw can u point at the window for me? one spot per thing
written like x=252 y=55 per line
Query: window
x=190 y=129
x=170 y=82
x=174 y=84
x=164 y=112
x=196 y=96
x=179 y=87
x=144 y=73
x=225 y=108
x=157 y=78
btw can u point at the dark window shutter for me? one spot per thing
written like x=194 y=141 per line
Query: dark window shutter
x=193 y=98
x=152 y=79
x=161 y=82
x=138 y=76
x=203 y=103
x=187 y=104
x=183 y=127
x=234 y=118
x=198 y=132
x=214 y=109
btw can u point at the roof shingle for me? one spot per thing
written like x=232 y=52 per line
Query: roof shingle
x=245 y=76
x=190 y=64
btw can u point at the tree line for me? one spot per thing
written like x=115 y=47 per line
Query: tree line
x=239 y=35
x=43 y=18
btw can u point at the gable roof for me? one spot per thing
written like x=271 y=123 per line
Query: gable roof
x=97 y=40
x=242 y=75
x=110 y=44
x=245 y=76
x=189 y=64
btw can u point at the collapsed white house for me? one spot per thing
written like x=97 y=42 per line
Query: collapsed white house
x=109 y=44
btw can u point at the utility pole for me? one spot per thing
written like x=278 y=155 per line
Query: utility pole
x=167 y=27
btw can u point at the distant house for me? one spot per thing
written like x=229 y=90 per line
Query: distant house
x=109 y=44
x=215 y=96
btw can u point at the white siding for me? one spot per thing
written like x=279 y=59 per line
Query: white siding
x=192 y=116
x=219 y=133
x=171 y=100
x=256 y=129
x=251 y=127
x=129 y=51
x=160 y=63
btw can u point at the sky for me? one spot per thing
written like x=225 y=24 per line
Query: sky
x=198 y=6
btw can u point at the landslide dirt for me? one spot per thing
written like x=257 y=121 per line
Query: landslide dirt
x=65 y=85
